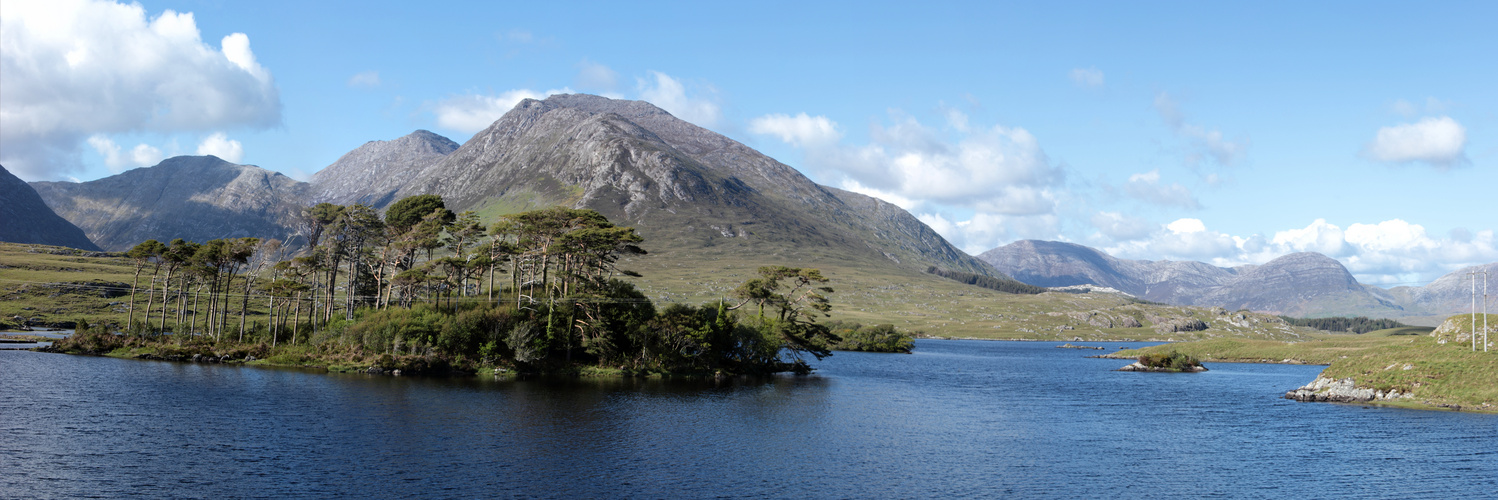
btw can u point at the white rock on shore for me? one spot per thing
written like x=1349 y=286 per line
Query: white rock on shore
x=1341 y=391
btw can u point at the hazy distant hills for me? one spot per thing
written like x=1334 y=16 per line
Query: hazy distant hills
x=25 y=218
x=198 y=198
x=1300 y=284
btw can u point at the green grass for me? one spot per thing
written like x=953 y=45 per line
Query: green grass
x=1437 y=374
x=867 y=292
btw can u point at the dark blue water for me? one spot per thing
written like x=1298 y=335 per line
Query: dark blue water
x=956 y=419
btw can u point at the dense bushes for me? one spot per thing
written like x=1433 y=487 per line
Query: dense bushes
x=1171 y=361
x=876 y=338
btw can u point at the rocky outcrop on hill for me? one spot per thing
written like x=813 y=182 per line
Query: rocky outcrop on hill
x=198 y=198
x=373 y=173
x=1325 y=389
x=25 y=218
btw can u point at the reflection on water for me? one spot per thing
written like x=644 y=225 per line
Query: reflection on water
x=957 y=418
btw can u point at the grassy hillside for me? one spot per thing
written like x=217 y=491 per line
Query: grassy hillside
x=31 y=277
x=1407 y=359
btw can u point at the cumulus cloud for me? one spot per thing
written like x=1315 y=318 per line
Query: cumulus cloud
x=1147 y=187
x=1088 y=77
x=1202 y=144
x=367 y=79
x=222 y=146
x=1440 y=142
x=473 y=112
x=998 y=177
x=142 y=155
x=671 y=95
x=801 y=131
x=74 y=69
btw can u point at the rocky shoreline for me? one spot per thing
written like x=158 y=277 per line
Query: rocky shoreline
x=1325 y=389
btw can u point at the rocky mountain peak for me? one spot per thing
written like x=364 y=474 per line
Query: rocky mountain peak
x=373 y=172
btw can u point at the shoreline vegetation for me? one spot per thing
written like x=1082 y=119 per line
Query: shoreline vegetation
x=536 y=292
x=1404 y=367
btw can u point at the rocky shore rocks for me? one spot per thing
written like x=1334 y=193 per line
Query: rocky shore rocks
x=1325 y=389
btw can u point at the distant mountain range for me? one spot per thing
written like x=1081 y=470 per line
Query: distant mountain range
x=1303 y=284
x=27 y=218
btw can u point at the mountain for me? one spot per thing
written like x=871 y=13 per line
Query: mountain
x=1305 y=284
x=689 y=191
x=198 y=198
x=373 y=173
x=1300 y=284
x=1055 y=263
x=1450 y=294
x=28 y=219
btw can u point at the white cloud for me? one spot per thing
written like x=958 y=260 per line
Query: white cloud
x=671 y=95
x=1202 y=144
x=1120 y=227
x=801 y=131
x=221 y=146
x=367 y=79
x=1088 y=77
x=73 y=69
x=1437 y=141
x=983 y=232
x=1319 y=237
x=472 y=113
x=142 y=155
x=1147 y=187
x=595 y=76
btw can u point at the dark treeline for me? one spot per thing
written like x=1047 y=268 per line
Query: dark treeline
x=536 y=291
x=989 y=282
x=1359 y=324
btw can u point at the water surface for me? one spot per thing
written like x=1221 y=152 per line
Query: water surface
x=957 y=418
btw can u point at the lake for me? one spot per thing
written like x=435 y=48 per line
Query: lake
x=955 y=419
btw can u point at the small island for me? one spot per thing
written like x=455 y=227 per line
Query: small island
x=1173 y=362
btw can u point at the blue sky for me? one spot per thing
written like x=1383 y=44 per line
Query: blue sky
x=1230 y=133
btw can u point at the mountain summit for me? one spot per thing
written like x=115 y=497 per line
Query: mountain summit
x=685 y=188
x=373 y=173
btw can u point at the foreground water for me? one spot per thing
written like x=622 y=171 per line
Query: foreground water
x=957 y=418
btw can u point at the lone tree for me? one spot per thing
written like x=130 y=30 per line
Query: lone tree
x=795 y=297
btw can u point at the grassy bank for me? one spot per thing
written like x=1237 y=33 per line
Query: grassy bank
x=1437 y=375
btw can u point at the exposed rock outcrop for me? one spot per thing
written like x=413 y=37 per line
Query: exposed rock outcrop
x=1345 y=390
